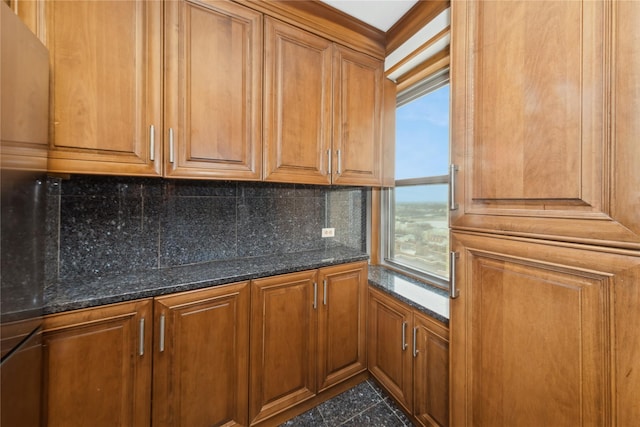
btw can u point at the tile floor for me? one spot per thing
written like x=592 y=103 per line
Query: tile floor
x=364 y=405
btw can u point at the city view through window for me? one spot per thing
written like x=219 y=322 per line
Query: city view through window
x=419 y=220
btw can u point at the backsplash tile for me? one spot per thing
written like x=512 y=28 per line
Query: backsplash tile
x=109 y=225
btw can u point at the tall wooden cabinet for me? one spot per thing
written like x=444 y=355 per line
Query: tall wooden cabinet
x=322 y=110
x=547 y=229
x=97 y=366
x=307 y=334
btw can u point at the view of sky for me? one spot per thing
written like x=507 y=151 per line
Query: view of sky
x=422 y=144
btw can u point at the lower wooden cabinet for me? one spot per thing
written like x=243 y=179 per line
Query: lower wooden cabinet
x=97 y=366
x=408 y=353
x=201 y=357
x=307 y=334
x=544 y=333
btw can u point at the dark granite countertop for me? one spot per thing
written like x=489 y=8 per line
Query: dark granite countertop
x=72 y=295
x=428 y=299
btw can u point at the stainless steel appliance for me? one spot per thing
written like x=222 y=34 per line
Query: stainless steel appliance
x=23 y=136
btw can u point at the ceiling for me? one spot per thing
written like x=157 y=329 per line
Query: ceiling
x=381 y=14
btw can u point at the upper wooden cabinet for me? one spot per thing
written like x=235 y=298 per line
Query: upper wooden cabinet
x=213 y=90
x=322 y=110
x=106 y=88
x=544 y=333
x=544 y=133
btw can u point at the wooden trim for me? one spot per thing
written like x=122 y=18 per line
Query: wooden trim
x=436 y=63
x=325 y=21
x=426 y=45
x=376 y=195
x=416 y=18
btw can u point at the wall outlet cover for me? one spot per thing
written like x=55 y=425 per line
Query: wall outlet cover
x=328 y=232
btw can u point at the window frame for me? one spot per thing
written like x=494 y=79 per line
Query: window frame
x=387 y=199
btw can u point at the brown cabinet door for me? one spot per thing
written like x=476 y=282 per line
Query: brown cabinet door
x=201 y=357
x=97 y=366
x=430 y=371
x=357 y=119
x=106 y=65
x=389 y=349
x=213 y=90
x=544 y=334
x=532 y=115
x=283 y=343
x=341 y=323
x=297 y=105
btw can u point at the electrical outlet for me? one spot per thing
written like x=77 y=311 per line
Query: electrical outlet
x=328 y=232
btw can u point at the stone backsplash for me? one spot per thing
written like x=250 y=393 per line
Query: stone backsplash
x=99 y=226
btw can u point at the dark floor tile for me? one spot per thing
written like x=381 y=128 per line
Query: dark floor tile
x=348 y=404
x=378 y=415
x=311 y=418
x=393 y=407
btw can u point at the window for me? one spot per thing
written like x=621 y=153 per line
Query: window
x=416 y=214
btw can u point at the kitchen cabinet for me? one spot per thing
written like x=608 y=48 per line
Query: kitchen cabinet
x=543 y=129
x=213 y=90
x=544 y=334
x=97 y=366
x=109 y=112
x=408 y=353
x=106 y=87
x=201 y=357
x=307 y=334
x=322 y=110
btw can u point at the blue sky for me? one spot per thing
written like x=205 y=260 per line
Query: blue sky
x=422 y=143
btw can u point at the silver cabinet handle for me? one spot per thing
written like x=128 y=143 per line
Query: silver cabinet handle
x=415 y=341
x=453 y=291
x=152 y=143
x=404 y=336
x=162 y=333
x=329 y=162
x=171 y=145
x=452 y=187
x=324 y=296
x=339 y=162
x=141 y=337
x=315 y=295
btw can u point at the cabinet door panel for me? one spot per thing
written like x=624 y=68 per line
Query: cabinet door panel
x=105 y=78
x=283 y=337
x=357 y=118
x=431 y=372
x=532 y=334
x=201 y=375
x=341 y=323
x=298 y=103
x=530 y=123
x=213 y=90
x=94 y=372
x=389 y=357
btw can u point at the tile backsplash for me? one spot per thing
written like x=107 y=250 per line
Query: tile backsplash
x=109 y=225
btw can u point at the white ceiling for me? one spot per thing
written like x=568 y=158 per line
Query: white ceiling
x=381 y=14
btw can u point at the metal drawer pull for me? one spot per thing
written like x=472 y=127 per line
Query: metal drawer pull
x=329 y=162
x=170 y=145
x=339 y=162
x=415 y=342
x=162 y=333
x=453 y=291
x=315 y=295
x=452 y=187
x=404 y=336
x=325 y=292
x=152 y=143
x=141 y=336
